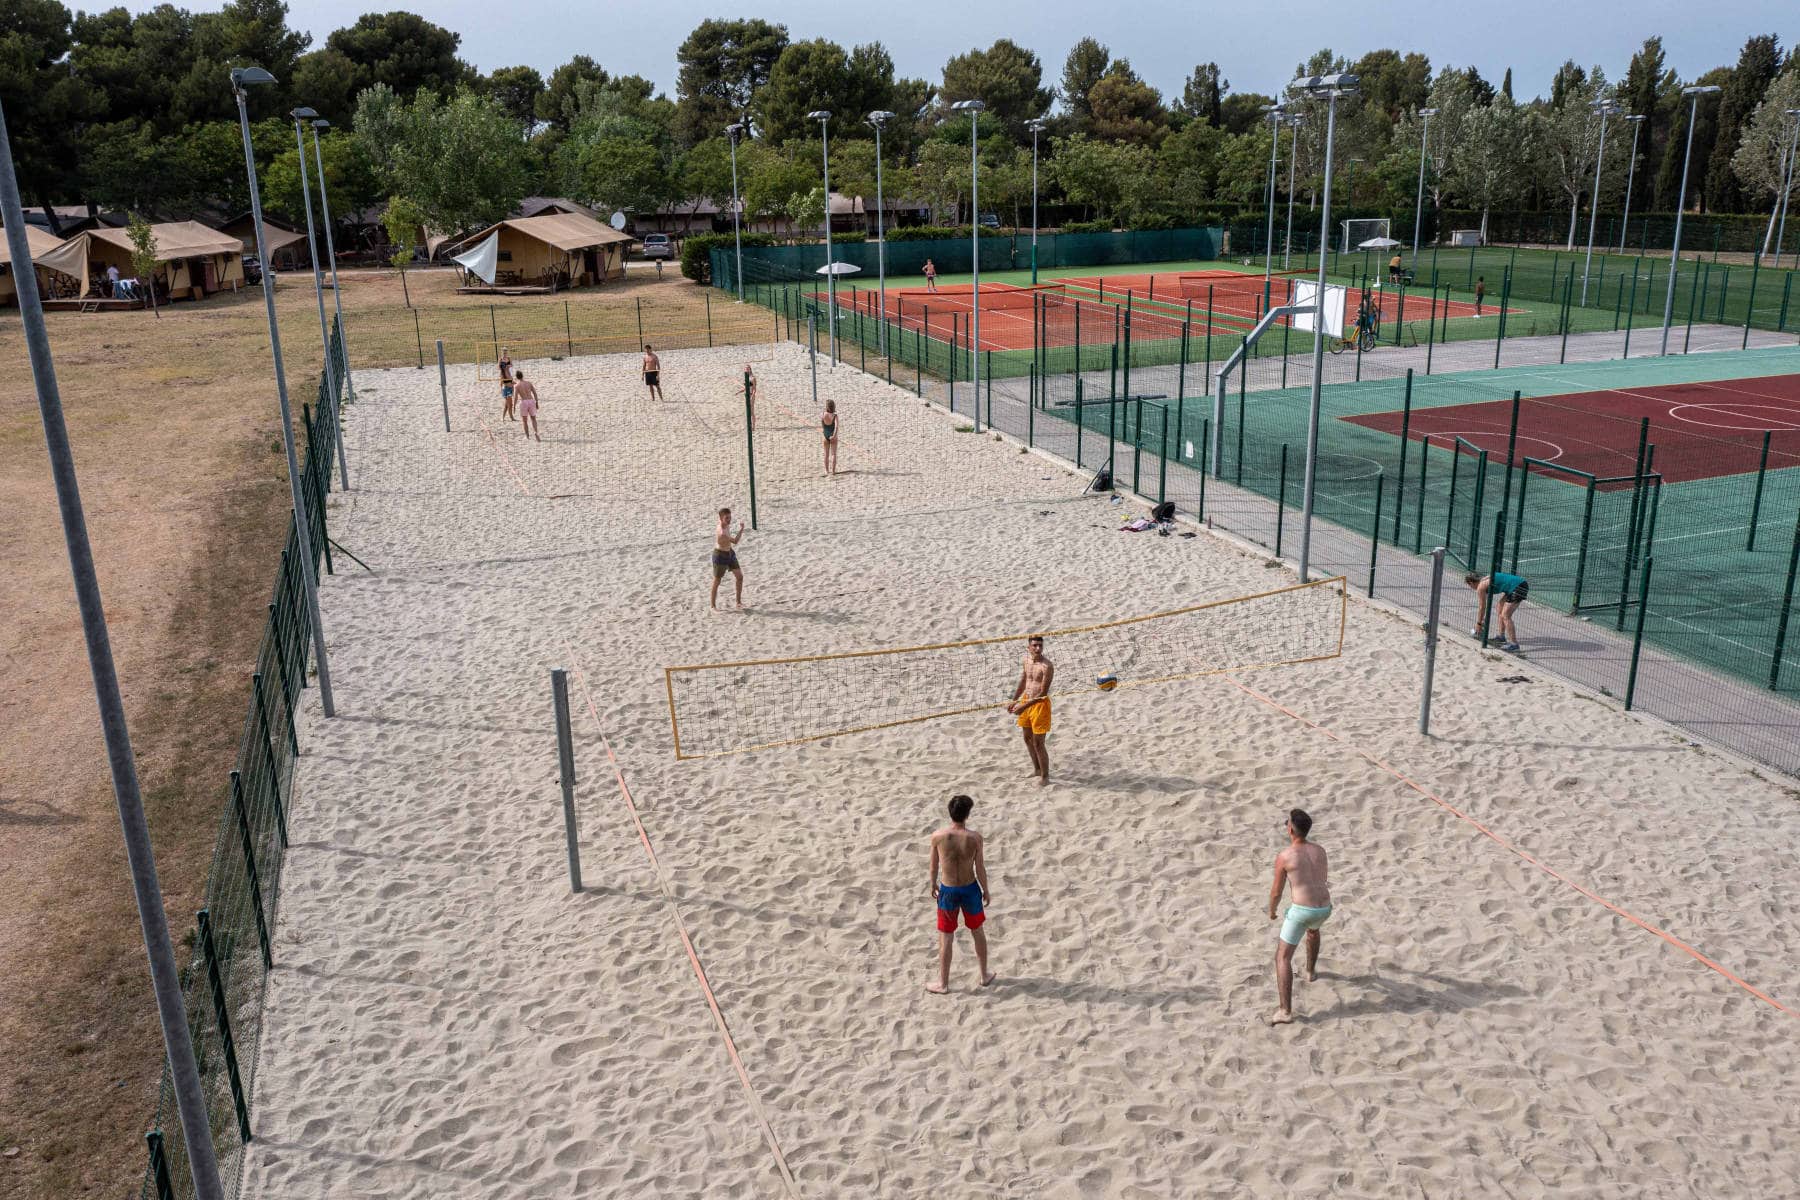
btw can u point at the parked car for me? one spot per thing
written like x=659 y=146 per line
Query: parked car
x=252 y=269
x=990 y=220
x=657 y=245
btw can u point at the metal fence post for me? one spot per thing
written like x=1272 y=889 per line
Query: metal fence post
x=750 y=434
x=159 y=1165
x=418 y=339
x=1375 y=533
x=1400 y=472
x=443 y=385
x=1762 y=469
x=1205 y=435
x=268 y=745
x=1637 y=640
x=1787 y=608
x=565 y=761
x=569 y=332
x=1162 y=458
x=638 y=304
x=222 y=1015
x=1281 y=499
x=1431 y=638
x=250 y=872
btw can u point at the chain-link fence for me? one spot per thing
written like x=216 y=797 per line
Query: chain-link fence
x=229 y=951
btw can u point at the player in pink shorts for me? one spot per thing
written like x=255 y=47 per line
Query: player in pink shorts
x=526 y=394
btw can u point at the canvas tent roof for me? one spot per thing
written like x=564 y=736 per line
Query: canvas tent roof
x=275 y=236
x=176 y=239
x=41 y=242
x=565 y=231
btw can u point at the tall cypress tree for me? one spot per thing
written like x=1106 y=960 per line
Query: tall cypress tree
x=1645 y=89
x=1756 y=67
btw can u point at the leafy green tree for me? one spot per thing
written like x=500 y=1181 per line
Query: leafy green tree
x=1082 y=69
x=1006 y=77
x=132 y=63
x=806 y=209
x=143 y=256
x=1126 y=109
x=1189 y=158
x=330 y=82
x=1569 y=83
x=853 y=168
x=517 y=90
x=350 y=181
x=1242 y=112
x=1760 y=159
x=621 y=173
x=404 y=51
x=1091 y=173
x=1392 y=83
x=403 y=223
x=242 y=32
x=768 y=177
x=820 y=74
x=941 y=178
x=1756 y=68
x=723 y=65
x=1568 y=139
x=557 y=106
x=703 y=172
x=45 y=104
x=1484 y=168
x=461 y=161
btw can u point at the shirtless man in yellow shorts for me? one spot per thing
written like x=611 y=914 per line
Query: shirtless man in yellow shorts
x=1031 y=704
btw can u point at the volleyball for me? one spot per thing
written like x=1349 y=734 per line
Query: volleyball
x=1107 y=683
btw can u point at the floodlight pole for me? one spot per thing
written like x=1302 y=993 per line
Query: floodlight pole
x=1275 y=112
x=974 y=109
x=1604 y=109
x=1419 y=200
x=823 y=117
x=1331 y=88
x=302 y=521
x=1636 y=121
x=878 y=119
x=337 y=301
x=312 y=250
x=165 y=978
x=1787 y=183
x=1694 y=93
x=1036 y=126
x=732 y=133
x=1287 y=244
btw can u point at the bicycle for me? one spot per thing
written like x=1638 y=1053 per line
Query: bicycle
x=1363 y=339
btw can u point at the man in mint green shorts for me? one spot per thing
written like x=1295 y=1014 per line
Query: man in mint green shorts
x=1301 y=864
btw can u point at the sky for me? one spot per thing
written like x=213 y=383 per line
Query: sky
x=1164 y=39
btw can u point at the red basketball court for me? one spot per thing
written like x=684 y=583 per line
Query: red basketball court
x=1700 y=430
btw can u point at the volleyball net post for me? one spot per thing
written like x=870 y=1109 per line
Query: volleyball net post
x=565 y=760
x=1432 y=616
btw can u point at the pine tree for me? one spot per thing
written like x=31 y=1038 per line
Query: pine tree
x=1506 y=84
x=1756 y=67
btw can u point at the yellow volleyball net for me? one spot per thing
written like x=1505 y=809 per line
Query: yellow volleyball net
x=736 y=707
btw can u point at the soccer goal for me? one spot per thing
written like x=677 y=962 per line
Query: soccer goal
x=734 y=707
x=1358 y=230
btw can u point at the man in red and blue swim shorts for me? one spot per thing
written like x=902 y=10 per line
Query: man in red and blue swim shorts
x=958 y=853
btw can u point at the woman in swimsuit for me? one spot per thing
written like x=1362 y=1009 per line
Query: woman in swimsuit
x=507 y=405
x=829 y=422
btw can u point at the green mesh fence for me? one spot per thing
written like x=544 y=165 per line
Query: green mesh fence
x=229 y=954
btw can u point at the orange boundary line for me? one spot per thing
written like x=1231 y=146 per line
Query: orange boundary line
x=505 y=458
x=687 y=944
x=1671 y=939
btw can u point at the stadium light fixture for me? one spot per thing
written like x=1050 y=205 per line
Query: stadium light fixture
x=974 y=108
x=1036 y=125
x=1636 y=121
x=733 y=132
x=879 y=119
x=1425 y=115
x=1330 y=89
x=1603 y=107
x=302 y=115
x=823 y=117
x=337 y=303
x=1295 y=121
x=1274 y=112
x=1687 y=160
x=1788 y=181
x=242 y=77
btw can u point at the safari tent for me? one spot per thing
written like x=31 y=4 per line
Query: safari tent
x=193 y=260
x=287 y=249
x=59 y=265
x=556 y=250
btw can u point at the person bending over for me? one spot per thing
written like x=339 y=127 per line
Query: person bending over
x=1507 y=592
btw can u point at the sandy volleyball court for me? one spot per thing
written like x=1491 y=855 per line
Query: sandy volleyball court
x=447 y=1019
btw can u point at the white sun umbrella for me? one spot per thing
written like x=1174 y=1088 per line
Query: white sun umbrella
x=1377 y=243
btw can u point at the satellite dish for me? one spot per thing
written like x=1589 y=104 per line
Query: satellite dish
x=617 y=220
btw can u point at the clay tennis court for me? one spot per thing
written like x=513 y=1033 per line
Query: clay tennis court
x=1701 y=430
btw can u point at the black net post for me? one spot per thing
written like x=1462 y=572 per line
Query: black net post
x=1493 y=567
x=1205 y=441
x=1581 y=553
x=222 y=1014
x=1762 y=470
x=569 y=332
x=1631 y=528
x=1431 y=324
x=159 y=1165
x=268 y=745
x=418 y=339
x=1750 y=306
